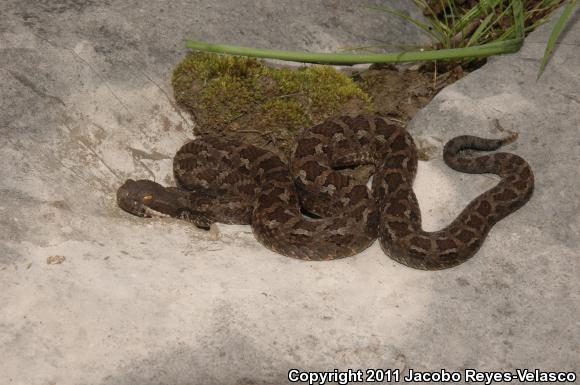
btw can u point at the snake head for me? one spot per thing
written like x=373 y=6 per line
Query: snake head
x=147 y=199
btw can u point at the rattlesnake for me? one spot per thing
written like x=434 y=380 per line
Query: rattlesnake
x=313 y=209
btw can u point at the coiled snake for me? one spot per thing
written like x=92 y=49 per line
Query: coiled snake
x=312 y=209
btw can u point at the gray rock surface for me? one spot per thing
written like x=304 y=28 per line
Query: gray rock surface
x=86 y=103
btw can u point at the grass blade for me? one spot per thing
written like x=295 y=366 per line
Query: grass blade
x=476 y=11
x=495 y=48
x=481 y=30
x=556 y=33
x=519 y=20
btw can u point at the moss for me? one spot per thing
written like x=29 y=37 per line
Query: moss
x=246 y=99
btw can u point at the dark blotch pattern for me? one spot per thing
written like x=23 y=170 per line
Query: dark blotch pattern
x=233 y=182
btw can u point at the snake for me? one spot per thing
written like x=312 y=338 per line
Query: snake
x=313 y=207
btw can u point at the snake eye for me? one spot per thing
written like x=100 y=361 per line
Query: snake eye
x=147 y=198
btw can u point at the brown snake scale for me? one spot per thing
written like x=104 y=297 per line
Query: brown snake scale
x=314 y=209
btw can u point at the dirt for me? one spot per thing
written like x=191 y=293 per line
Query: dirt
x=402 y=92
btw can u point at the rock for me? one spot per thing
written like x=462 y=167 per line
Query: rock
x=87 y=103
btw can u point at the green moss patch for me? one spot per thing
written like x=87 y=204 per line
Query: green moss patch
x=245 y=99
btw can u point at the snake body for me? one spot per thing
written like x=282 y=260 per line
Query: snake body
x=313 y=209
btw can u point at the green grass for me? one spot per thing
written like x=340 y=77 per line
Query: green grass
x=494 y=48
x=488 y=21
x=490 y=27
x=556 y=31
